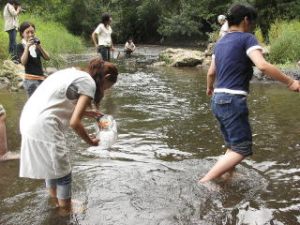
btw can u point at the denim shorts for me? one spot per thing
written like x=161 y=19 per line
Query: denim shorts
x=31 y=85
x=232 y=113
x=63 y=186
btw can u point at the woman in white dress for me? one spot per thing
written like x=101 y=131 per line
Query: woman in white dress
x=58 y=103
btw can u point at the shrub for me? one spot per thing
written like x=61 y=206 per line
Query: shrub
x=284 y=41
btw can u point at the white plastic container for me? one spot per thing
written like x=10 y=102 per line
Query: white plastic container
x=106 y=131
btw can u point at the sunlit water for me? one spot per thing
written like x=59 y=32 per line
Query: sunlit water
x=167 y=140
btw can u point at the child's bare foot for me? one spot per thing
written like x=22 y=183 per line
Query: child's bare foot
x=9 y=156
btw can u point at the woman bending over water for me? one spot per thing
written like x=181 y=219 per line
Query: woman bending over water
x=60 y=102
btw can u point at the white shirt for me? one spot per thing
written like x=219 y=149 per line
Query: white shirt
x=130 y=46
x=104 y=35
x=10 y=17
x=224 y=29
x=44 y=121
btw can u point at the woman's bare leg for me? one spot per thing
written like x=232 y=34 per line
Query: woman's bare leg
x=52 y=193
x=225 y=164
x=3 y=137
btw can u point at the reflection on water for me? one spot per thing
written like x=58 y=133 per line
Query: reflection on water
x=167 y=140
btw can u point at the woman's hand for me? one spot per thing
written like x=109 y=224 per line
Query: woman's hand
x=30 y=42
x=294 y=86
x=93 y=140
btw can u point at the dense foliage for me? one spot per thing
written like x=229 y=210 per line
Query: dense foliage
x=284 y=41
x=154 y=20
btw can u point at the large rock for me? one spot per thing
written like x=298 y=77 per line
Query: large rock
x=182 y=57
x=9 y=74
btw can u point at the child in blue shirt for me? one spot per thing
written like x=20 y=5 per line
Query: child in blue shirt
x=228 y=81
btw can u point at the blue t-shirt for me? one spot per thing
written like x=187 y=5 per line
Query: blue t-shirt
x=233 y=66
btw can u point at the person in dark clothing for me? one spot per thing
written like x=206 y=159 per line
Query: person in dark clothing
x=30 y=52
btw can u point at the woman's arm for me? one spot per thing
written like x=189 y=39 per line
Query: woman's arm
x=75 y=122
x=43 y=52
x=258 y=59
x=211 y=75
x=94 y=38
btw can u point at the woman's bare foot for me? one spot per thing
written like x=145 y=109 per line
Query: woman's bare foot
x=9 y=156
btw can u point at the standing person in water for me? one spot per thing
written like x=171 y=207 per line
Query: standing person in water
x=30 y=52
x=59 y=103
x=228 y=81
x=102 y=37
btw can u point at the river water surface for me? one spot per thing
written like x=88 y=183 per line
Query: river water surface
x=167 y=140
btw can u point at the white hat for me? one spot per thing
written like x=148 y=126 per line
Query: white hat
x=221 y=18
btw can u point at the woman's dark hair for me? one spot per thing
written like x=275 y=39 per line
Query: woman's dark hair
x=24 y=26
x=105 y=18
x=98 y=69
x=238 y=12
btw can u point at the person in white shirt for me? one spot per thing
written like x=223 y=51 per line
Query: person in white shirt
x=102 y=37
x=58 y=103
x=10 y=14
x=129 y=47
x=224 y=25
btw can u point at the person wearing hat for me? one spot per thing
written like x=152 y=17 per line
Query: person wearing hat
x=10 y=14
x=224 y=25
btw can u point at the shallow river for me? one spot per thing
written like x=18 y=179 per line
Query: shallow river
x=167 y=140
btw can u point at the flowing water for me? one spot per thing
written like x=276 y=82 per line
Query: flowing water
x=167 y=140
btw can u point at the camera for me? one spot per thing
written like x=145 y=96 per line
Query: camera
x=36 y=41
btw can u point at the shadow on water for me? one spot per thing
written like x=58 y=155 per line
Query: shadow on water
x=167 y=140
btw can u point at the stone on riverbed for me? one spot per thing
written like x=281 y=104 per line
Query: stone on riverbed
x=182 y=57
x=9 y=74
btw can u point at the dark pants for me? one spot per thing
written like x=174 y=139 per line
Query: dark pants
x=31 y=85
x=104 y=52
x=12 y=46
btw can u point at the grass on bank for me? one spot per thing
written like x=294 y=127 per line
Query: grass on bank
x=54 y=37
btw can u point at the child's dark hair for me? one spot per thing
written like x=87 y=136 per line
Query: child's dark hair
x=24 y=26
x=98 y=69
x=105 y=18
x=238 y=12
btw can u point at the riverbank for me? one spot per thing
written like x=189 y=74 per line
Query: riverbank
x=145 y=55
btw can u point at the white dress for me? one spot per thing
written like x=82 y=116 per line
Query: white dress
x=44 y=120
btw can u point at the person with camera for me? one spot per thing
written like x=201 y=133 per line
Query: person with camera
x=30 y=52
x=10 y=14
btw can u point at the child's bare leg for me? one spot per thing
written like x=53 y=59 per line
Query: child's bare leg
x=225 y=164
x=52 y=193
x=3 y=138
x=4 y=153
